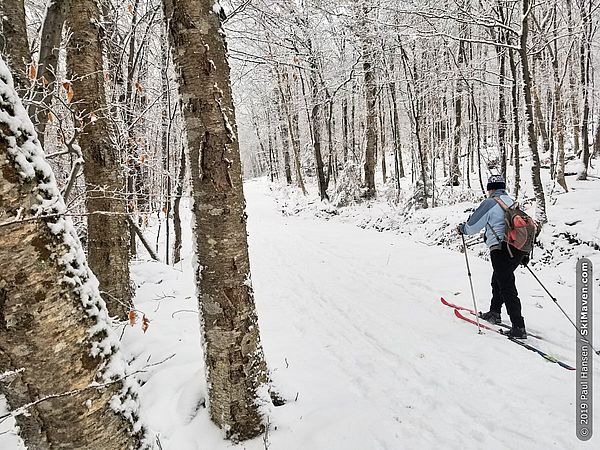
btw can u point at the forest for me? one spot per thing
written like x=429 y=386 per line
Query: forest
x=153 y=151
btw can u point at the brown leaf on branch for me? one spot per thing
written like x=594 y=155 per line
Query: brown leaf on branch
x=32 y=71
x=145 y=323
x=69 y=88
x=139 y=87
x=50 y=117
x=130 y=8
x=132 y=318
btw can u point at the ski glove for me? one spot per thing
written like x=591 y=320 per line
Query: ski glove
x=460 y=228
x=525 y=260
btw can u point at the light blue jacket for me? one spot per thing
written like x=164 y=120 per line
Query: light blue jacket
x=489 y=215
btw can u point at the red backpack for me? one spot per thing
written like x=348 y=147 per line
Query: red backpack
x=521 y=229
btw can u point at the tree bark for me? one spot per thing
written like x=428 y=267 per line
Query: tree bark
x=49 y=303
x=234 y=358
x=108 y=232
x=14 y=45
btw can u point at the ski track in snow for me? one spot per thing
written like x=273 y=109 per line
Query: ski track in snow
x=360 y=346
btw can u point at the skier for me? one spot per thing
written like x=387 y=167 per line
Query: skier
x=490 y=215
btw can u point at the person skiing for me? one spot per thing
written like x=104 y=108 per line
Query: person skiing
x=505 y=260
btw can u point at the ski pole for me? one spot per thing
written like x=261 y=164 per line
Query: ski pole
x=563 y=311
x=471 y=282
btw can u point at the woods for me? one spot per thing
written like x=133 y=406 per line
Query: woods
x=125 y=116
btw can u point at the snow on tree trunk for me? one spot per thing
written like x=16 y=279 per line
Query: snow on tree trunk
x=53 y=323
x=236 y=369
x=107 y=231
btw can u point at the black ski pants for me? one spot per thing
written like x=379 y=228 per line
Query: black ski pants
x=504 y=290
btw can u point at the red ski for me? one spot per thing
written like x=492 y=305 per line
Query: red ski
x=461 y=308
x=469 y=310
x=544 y=355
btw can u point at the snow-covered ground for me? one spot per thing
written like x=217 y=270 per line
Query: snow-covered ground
x=360 y=345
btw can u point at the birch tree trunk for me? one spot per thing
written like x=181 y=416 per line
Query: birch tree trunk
x=49 y=303
x=107 y=228
x=234 y=358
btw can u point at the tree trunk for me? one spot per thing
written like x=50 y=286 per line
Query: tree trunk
x=584 y=64
x=314 y=118
x=502 y=122
x=597 y=141
x=272 y=162
x=514 y=92
x=292 y=122
x=14 y=45
x=455 y=167
x=382 y=134
x=415 y=113
x=47 y=67
x=397 y=145
x=370 y=105
x=572 y=64
x=345 y=130
x=234 y=358
x=539 y=116
x=559 y=123
x=531 y=136
x=176 y=207
x=285 y=136
x=108 y=232
x=49 y=305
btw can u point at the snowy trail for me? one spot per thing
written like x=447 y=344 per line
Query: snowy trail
x=356 y=314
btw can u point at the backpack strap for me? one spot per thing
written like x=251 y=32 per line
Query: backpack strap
x=503 y=205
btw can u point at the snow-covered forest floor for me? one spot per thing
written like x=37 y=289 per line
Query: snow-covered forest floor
x=357 y=340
